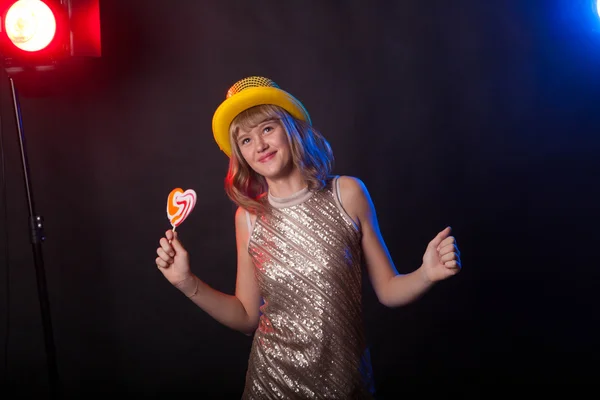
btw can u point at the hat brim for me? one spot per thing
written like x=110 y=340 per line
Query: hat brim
x=249 y=98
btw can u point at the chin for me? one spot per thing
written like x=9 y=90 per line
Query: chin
x=281 y=174
x=276 y=169
x=271 y=174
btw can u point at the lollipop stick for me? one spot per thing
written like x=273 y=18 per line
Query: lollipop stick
x=173 y=232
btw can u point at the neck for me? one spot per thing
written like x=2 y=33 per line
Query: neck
x=286 y=186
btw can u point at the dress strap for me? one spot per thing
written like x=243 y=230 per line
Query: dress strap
x=249 y=222
x=336 y=184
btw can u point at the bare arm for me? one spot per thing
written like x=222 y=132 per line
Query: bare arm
x=239 y=311
x=392 y=289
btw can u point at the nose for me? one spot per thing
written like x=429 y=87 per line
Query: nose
x=261 y=144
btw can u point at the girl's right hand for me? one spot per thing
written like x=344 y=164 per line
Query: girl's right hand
x=173 y=260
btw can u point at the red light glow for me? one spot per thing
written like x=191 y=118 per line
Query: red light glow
x=30 y=25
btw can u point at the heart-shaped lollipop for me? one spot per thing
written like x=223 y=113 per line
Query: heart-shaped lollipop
x=179 y=205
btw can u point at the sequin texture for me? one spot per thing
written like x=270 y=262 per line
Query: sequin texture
x=310 y=341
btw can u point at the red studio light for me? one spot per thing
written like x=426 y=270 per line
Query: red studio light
x=35 y=33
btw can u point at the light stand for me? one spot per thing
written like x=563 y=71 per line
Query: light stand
x=68 y=30
x=37 y=237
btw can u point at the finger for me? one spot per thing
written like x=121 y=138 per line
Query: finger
x=448 y=257
x=453 y=264
x=164 y=256
x=160 y=263
x=450 y=248
x=177 y=245
x=167 y=247
x=447 y=241
x=169 y=234
x=439 y=237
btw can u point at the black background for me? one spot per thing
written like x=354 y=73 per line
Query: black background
x=482 y=115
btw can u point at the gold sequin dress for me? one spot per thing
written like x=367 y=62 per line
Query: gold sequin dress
x=310 y=342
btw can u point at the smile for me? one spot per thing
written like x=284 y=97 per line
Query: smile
x=266 y=158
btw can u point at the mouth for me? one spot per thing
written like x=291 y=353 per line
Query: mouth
x=267 y=157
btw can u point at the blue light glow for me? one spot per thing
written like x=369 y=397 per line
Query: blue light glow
x=598 y=7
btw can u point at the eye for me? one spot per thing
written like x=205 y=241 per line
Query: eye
x=244 y=141
x=267 y=129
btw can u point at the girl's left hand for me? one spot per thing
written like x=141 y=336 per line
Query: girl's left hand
x=442 y=257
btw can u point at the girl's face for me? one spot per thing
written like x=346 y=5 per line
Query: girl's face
x=266 y=149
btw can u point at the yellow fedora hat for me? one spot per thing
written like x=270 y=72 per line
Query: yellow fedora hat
x=247 y=93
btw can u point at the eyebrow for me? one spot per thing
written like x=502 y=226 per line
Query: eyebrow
x=240 y=133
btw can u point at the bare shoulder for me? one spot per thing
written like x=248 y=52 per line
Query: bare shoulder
x=241 y=215
x=354 y=196
x=352 y=188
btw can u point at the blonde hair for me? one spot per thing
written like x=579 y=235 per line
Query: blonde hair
x=311 y=154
